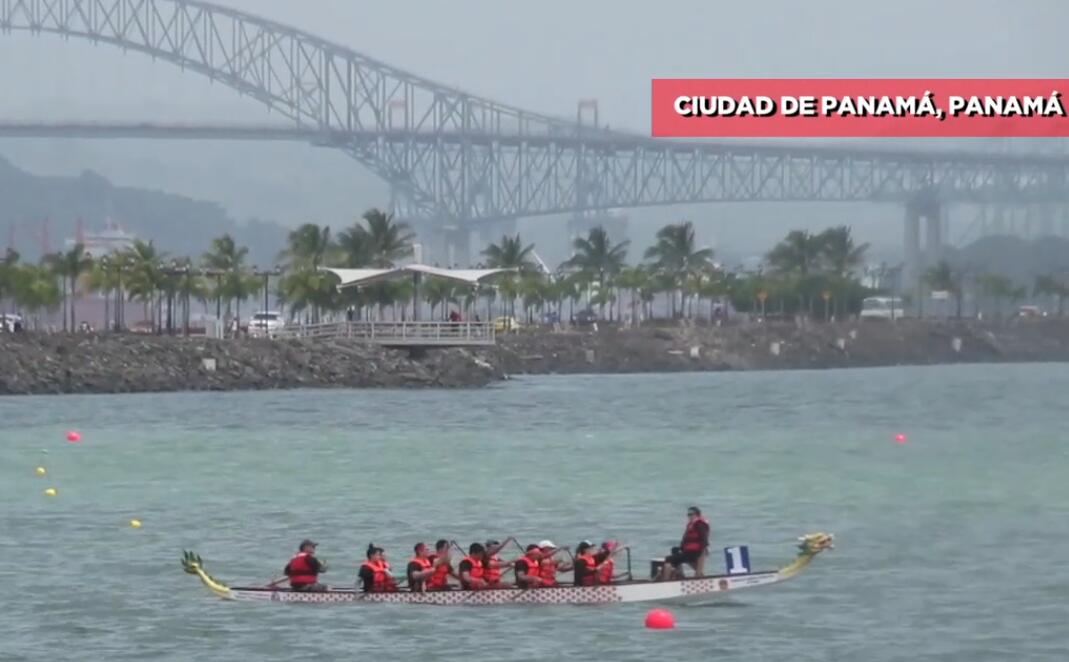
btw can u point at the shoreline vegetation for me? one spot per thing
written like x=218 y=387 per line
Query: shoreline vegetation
x=38 y=364
x=819 y=276
x=674 y=309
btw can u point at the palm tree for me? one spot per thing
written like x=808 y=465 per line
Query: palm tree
x=798 y=256
x=596 y=256
x=69 y=267
x=945 y=278
x=9 y=269
x=439 y=291
x=633 y=279
x=675 y=255
x=998 y=287
x=1050 y=286
x=308 y=290
x=389 y=241
x=35 y=289
x=510 y=253
x=354 y=245
x=144 y=280
x=840 y=254
x=227 y=260
x=306 y=246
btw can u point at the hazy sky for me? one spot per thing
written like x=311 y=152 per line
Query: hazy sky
x=541 y=55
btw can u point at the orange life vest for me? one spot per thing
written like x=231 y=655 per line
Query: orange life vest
x=606 y=572
x=492 y=570
x=548 y=572
x=692 y=542
x=476 y=571
x=439 y=581
x=381 y=581
x=424 y=565
x=591 y=563
x=533 y=569
x=300 y=570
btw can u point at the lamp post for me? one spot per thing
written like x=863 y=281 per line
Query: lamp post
x=266 y=275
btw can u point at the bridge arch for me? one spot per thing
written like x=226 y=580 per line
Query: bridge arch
x=456 y=156
x=353 y=100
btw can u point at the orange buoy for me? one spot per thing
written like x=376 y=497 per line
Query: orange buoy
x=74 y=437
x=660 y=619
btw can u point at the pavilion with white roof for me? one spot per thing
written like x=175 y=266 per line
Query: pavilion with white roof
x=363 y=277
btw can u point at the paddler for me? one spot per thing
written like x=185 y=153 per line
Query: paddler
x=606 y=565
x=304 y=568
x=527 y=568
x=375 y=572
x=471 y=568
x=548 y=565
x=692 y=550
x=493 y=566
x=420 y=568
x=586 y=565
x=443 y=568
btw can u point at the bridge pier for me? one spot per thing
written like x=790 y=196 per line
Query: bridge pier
x=916 y=259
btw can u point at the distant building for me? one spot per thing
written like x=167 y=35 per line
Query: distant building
x=112 y=239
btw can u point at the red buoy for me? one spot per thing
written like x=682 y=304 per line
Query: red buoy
x=660 y=619
x=73 y=437
x=900 y=438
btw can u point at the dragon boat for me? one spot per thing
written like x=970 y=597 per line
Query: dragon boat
x=687 y=590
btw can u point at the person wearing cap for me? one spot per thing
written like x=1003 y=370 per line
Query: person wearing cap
x=549 y=566
x=692 y=549
x=528 y=569
x=304 y=568
x=375 y=572
x=420 y=568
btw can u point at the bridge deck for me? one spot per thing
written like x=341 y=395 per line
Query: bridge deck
x=400 y=334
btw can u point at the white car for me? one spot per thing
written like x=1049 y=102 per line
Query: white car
x=8 y=321
x=882 y=308
x=265 y=324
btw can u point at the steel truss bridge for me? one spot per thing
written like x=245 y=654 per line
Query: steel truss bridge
x=454 y=158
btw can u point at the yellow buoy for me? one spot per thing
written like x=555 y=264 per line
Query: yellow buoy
x=51 y=492
x=135 y=523
x=41 y=471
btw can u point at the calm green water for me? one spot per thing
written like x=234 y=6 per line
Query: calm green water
x=951 y=547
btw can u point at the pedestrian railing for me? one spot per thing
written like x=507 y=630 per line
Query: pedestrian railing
x=398 y=334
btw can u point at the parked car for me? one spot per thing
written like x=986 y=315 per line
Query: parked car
x=882 y=308
x=10 y=322
x=265 y=323
x=586 y=317
x=506 y=324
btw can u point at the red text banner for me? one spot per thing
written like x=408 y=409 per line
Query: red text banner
x=860 y=108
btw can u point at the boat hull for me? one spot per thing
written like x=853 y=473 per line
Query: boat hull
x=688 y=590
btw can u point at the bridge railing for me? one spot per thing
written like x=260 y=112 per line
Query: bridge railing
x=398 y=333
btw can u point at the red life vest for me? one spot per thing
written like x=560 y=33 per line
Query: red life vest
x=440 y=579
x=492 y=571
x=692 y=542
x=476 y=571
x=548 y=572
x=381 y=581
x=591 y=563
x=533 y=569
x=606 y=572
x=424 y=565
x=300 y=570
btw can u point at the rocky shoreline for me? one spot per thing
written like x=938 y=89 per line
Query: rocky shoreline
x=50 y=364
x=784 y=346
x=47 y=364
